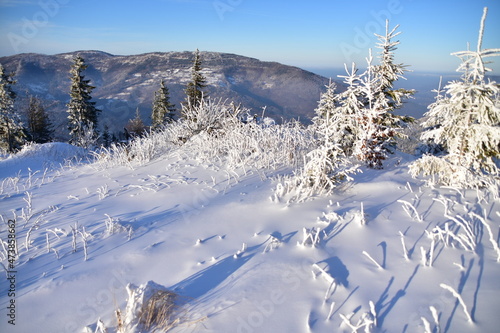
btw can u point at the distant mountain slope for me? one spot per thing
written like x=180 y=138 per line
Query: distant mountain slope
x=124 y=83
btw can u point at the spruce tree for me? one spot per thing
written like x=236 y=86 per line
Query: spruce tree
x=465 y=120
x=371 y=145
x=194 y=93
x=12 y=133
x=163 y=111
x=82 y=111
x=39 y=125
x=106 y=137
x=336 y=115
x=379 y=125
x=389 y=72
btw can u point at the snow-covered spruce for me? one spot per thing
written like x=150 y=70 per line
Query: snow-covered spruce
x=465 y=120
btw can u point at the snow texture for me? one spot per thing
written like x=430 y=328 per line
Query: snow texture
x=206 y=230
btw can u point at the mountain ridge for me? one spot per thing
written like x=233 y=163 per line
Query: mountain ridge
x=126 y=82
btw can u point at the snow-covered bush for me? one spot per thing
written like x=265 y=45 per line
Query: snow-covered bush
x=217 y=132
x=465 y=120
x=210 y=116
x=253 y=145
x=150 y=308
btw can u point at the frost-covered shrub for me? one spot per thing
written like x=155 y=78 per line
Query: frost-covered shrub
x=217 y=131
x=253 y=145
x=210 y=115
x=409 y=141
x=325 y=168
x=150 y=308
x=465 y=120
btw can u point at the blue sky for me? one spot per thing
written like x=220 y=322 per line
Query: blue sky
x=310 y=34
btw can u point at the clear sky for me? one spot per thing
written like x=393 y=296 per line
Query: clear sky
x=314 y=33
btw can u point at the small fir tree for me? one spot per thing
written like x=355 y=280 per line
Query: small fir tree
x=106 y=137
x=389 y=72
x=82 y=113
x=135 y=127
x=378 y=124
x=336 y=115
x=194 y=89
x=12 y=132
x=465 y=120
x=371 y=145
x=163 y=111
x=39 y=125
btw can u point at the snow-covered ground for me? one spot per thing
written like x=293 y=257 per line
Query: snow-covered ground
x=385 y=251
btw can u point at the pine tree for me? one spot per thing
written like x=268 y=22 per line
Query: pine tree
x=194 y=88
x=39 y=125
x=465 y=120
x=163 y=111
x=82 y=111
x=12 y=133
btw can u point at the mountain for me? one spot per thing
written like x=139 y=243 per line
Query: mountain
x=124 y=83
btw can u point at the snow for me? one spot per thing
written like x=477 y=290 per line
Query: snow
x=239 y=260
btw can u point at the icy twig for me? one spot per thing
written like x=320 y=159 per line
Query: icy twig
x=85 y=236
x=330 y=313
x=490 y=233
x=431 y=253
x=435 y=316
x=273 y=244
x=28 y=236
x=373 y=312
x=327 y=276
x=405 y=251
x=240 y=252
x=423 y=253
x=459 y=298
x=362 y=215
x=373 y=260
x=427 y=325
x=311 y=236
x=48 y=243
x=103 y=191
x=74 y=230
x=407 y=206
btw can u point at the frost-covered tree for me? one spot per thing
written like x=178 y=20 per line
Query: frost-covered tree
x=375 y=135
x=337 y=114
x=39 y=125
x=12 y=134
x=194 y=89
x=465 y=120
x=135 y=127
x=334 y=129
x=82 y=113
x=163 y=111
x=388 y=72
x=378 y=124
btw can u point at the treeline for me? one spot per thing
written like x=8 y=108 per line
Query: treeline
x=83 y=115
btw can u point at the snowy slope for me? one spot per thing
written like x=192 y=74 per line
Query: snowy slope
x=242 y=262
